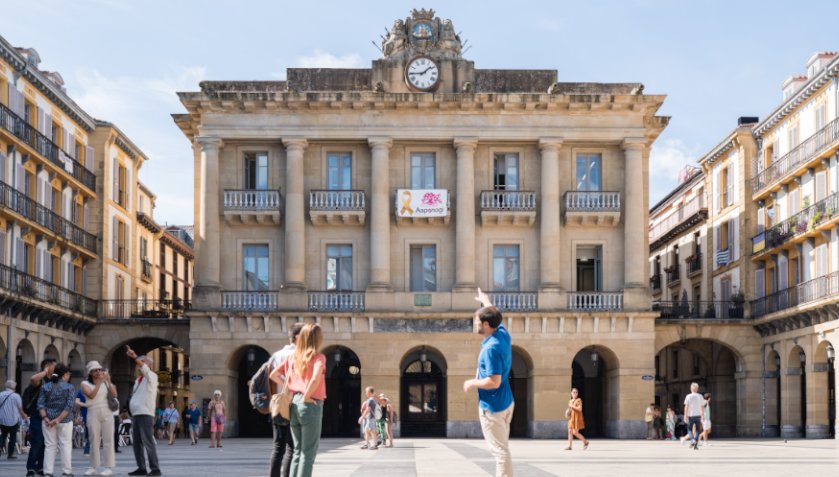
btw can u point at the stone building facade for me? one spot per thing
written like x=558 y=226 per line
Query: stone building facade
x=376 y=201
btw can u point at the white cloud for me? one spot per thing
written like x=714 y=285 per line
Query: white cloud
x=322 y=59
x=667 y=158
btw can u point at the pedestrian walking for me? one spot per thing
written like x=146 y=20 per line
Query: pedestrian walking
x=173 y=421
x=694 y=410
x=100 y=418
x=305 y=372
x=706 y=420
x=495 y=397
x=671 y=424
x=283 y=450
x=370 y=412
x=389 y=415
x=193 y=414
x=142 y=409
x=55 y=405
x=576 y=423
x=11 y=414
x=218 y=413
x=35 y=459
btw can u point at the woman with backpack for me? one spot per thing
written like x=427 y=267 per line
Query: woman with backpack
x=304 y=374
x=55 y=406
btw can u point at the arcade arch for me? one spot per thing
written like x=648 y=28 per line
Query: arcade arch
x=423 y=394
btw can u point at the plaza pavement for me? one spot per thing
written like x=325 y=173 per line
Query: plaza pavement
x=468 y=458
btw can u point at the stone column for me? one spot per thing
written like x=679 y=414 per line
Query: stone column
x=635 y=227
x=295 y=218
x=465 y=216
x=791 y=425
x=207 y=260
x=817 y=426
x=380 y=214
x=550 y=393
x=549 y=218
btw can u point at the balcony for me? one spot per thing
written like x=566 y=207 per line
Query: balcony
x=813 y=148
x=655 y=282
x=143 y=309
x=146 y=270
x=45 y=147
x=246 y=300
x=801 y=294
x=336 y=301
x=337 y=207
x=694 y=264
x=805 y=223
x=699 y=310
x=22 y=205
x=514 y=301
x=508 y=207
x=584 y=208
x=673 y=277
x=422 y=206
x=252 y=206
x=38 y=289
x=595 y=301
x=678 y=221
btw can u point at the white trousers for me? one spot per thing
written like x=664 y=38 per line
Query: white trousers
x=100 y=425
x=496 y=428
x=58 y=438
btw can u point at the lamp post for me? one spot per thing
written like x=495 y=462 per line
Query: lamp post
x=831 y=390
x=802 y=358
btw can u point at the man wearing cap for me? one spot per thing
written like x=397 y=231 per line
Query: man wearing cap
x=11 y=412
x=141 y=405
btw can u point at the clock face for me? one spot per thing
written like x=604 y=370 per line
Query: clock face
x=422 y=73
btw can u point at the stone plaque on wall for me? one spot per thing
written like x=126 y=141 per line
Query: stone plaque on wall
x=423 y=325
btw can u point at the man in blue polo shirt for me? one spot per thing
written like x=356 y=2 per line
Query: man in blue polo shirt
x=495 y=397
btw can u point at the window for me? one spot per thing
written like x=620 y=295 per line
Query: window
x=821 y=186
x=423 y=171
x=423 y=268
x=339 y=171
x=793 y=202
x=255 y=267
x=725 y=189
x=589 y=267
x=506 y=172
x=792 y=137
x=55 y=133
x=144 y=246
x=120 y=195
x=256 y=171
x=821 y=117
x=162 y=262
x=821 y=260
x=505 y=268
x=118 y=288
x=722 y=243
x=589 y=172
x=119 y=252
x=338 y=267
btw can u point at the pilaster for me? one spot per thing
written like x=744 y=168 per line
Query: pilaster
x=465 y=215
x=380 y=214
x=549 y=229
x=295 y=219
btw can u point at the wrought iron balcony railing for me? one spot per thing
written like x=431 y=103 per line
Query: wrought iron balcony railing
x=707 y=310
x=655 y=282
x=336 y=300
x=45 y=147
x=808 y=150
x=595 y=301
x=509 y=200
x=32 y=210
x=577 y=200
x=146 y=269
x=514 y=301
x=139 y=308
x=337 y=200
x=250 y=300
x=47 y=292
x=798 y=224
x=694 y=263
x=251 y=199
x=673 y=276
x=803 y=293
x=692 y=209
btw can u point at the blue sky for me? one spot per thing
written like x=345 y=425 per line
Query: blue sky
x=122 y=60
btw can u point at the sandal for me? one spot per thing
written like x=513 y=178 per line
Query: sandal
x=568 y=448
x=585 y=445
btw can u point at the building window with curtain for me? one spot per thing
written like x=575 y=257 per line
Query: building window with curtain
x=255 y=267
x=423 y=268
x=505 y=268
x=339 y=267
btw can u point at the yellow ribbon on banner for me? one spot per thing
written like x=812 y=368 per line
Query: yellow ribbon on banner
x=406 y=203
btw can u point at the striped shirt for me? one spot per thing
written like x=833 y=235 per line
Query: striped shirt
x=10 y=409
x=53 y=402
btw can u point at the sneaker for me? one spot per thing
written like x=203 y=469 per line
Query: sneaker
x=364 y=446
x=154 y=472
x=30 y=473
x=138 y=472
x=107 y=472
x=90 y=471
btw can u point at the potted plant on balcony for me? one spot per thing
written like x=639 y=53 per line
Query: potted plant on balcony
x=29 y=289
x=655 y=281
x=735 y=306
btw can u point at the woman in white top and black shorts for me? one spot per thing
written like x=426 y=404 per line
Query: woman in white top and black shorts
x=100 y=418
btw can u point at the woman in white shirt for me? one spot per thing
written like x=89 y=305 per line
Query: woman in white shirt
x=100 y=420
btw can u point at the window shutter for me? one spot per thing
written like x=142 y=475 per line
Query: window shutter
x=3 y=247
x=717 y=189
x=2 y=167
x=48 y=126
x=40 y=115
x=19 y=178
x=19 y=254
x=732 y=239
x=115 y=176
x=85 y=219
x=89 y=158
x=760 y=283
x=71 y=144
x=63 y=274
x=115 y=237
x=821 y=186
x=38 y=272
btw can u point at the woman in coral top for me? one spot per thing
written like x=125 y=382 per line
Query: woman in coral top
x=305 y=372
x=574 y=413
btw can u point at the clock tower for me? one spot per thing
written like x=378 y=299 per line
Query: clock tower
x=422 y=54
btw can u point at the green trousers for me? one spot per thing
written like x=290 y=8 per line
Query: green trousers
x=306 y=420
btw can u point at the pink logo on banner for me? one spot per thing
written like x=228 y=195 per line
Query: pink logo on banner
x=429 y=199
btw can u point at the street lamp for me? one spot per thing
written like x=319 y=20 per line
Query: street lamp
x=594 y=356
x=251 y=355
x=831 y=353
x=802 y=357
x=337 y=356
x=423 y=355
x=778 y=361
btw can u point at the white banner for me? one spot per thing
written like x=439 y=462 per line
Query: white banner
x=422 y=202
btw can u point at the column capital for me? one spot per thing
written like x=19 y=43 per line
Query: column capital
x=633 y=143
x=550 y=143
x=209 y=143
x=466 y=143
x=295 y=143
x=380 y=141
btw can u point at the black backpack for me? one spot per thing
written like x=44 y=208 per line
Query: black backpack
x=260 y=388
x=30 y=399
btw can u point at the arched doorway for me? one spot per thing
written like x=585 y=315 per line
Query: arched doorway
x=26 y=363
x=520 y=383
x=795 y=417
x=772 y=383
x=51 y=352
x=250 y=422
x=343 y=387
x=74 y=361
x=708 y=363
x=423 y=394
x=594 y=372
x=822 y=405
